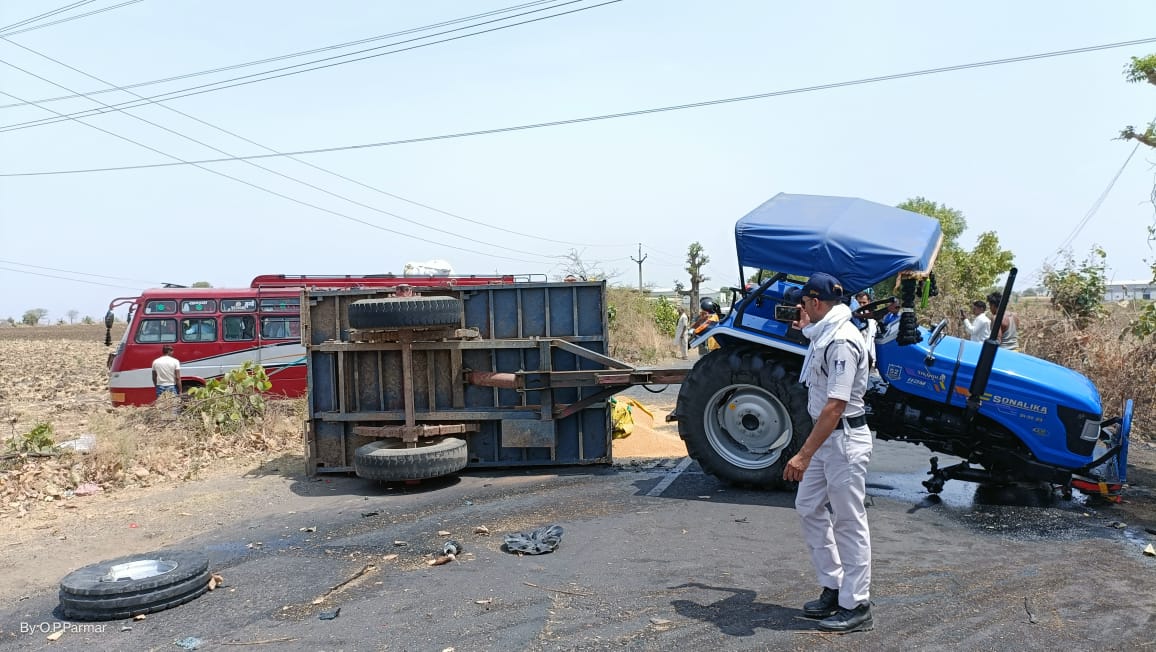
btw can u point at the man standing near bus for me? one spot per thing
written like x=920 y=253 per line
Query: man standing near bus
x=167 y=373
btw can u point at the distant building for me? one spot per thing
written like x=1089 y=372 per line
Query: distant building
x=1134 y=290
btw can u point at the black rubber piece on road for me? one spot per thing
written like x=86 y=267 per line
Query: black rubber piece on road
x=132 y=600
x=86 y=581
x=388 y=460
x=742 y=365
x=405 y=312
x=129 y=612
x=83 y=596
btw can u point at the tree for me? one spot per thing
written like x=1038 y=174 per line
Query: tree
x=1078 y=290
x=960 y=273
x=202 y=284
x=574 y=265
x=32 y=317
x=1141 y=70
x=72 y=315
x=696 y=259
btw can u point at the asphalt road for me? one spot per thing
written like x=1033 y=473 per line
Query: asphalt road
x=656 y=559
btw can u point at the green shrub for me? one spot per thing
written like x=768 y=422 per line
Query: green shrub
x=233 y=401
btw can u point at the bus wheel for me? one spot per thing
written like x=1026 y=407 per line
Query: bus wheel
x=388 y=460
x=405 y=312
x=132 y=585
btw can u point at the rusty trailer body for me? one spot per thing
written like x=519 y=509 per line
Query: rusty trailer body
x=523 y=378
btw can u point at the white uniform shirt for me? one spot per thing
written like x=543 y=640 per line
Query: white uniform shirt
x=840 y=371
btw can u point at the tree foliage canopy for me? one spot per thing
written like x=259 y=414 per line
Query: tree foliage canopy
x=963 y=274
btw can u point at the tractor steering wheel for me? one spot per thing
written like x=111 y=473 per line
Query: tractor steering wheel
x=873 y=310
x=937 y=333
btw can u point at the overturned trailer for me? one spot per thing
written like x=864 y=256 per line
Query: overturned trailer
x=503 y=375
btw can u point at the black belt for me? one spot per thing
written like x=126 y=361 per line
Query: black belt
x=857 y=421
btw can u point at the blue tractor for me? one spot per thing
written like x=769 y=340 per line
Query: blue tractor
x=1011 y=417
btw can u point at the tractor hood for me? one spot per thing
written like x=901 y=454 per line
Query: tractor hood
x=858 y=242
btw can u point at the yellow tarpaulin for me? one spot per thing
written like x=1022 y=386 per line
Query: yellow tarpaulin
x=623 y=412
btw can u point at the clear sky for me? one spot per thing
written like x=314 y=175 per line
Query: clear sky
x=1022 y=149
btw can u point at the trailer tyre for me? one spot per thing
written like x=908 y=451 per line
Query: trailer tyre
x=743 y=415
x=388 y=460
x=405 y=312
x=136 y=584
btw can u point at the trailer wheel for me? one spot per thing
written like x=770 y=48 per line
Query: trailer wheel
x=388 y=460
x=136 y=584
x=405 y=312
x=743 y=414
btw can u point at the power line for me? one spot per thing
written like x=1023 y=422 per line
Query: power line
x=204 y=88
x=608 y=116
x=47 y=14
x=65 y=278
x=1095 y=207
x=290 y=55
x=70 y=271
x=279 y=194
x=285 y=176
x=65 y=20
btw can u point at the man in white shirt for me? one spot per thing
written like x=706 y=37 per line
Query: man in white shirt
x=980 y=329
x=167 y=373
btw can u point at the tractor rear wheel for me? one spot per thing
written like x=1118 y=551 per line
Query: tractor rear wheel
x=743 y=414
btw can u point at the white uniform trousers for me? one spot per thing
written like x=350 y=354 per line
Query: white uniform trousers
x=830 y=505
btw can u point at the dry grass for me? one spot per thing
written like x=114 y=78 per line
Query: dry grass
x=1121 y=366
x=58 y=375
x=634 y=337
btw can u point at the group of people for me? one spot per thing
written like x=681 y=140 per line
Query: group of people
x=708 y=315
x=979 y=326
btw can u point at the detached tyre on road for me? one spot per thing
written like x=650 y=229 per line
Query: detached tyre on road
x=389 y=460
x=132 y=585
x=405 y=312
x=743 y=414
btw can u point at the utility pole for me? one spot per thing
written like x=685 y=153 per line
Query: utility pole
x=639 y=260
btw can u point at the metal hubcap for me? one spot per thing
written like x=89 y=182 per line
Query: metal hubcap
x=138 y=570
x=747 y=426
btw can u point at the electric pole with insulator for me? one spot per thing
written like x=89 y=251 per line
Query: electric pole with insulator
x=639 y=260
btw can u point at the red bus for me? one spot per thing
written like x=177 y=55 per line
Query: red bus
x=215 y=330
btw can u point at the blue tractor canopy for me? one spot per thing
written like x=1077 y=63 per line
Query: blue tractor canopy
x=857 y=241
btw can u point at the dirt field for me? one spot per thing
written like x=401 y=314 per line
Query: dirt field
x=57 y=374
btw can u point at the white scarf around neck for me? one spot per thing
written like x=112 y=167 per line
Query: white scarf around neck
x=821 y=334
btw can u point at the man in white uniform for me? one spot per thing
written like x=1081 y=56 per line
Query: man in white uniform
x=831 y=466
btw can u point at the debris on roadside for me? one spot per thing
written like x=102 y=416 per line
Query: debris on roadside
x=400 y=543
x=87 y=489
x=482 y=530
x=55 y=635
x=309 y=529
x=215 y=580
x=189 y=643
x=329 y=615
x=1119 y=525
x=1150 y=550
x=389 y=557
x=536 y=542
x=440 y=560
x=444 y=533
x=451 y=547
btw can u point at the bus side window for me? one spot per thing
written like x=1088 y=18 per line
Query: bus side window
x=199 y=329
x=156 y=331
x=280 y=328
x=239 y=328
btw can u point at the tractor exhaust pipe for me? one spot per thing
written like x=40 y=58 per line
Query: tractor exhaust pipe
x=987 y=355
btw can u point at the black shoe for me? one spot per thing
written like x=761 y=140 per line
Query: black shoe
x=826 y=605
x=849 y=620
